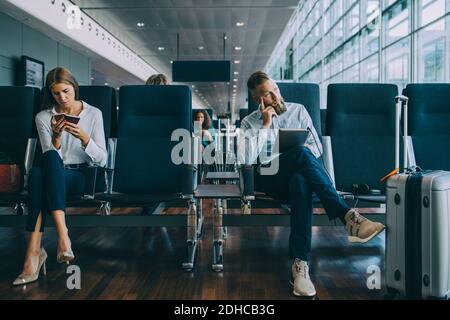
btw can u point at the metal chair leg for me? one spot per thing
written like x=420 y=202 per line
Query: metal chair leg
x=105 y=209
x=192 y=237
x=217 y=263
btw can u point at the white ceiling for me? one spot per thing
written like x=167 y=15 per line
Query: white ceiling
x=199 y=23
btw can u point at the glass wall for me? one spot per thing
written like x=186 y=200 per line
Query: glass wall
x=391 y=41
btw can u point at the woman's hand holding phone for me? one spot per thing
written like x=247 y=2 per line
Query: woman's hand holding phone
x=77 y=132
x=58 y=124
x=267 y=113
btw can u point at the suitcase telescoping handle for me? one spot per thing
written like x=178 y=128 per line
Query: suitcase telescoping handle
x=401 y=100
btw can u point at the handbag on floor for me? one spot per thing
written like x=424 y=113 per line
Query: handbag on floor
x=10 y=175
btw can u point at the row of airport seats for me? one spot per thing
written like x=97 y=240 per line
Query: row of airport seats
x=360 y=113
x=359 y=145
x=360 y=128
x=358 y=140
x=365 y=115
x=139 y=172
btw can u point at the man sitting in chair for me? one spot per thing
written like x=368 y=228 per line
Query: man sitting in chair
x=299 y=175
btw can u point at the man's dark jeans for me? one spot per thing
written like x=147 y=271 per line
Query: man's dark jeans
x=300 y=175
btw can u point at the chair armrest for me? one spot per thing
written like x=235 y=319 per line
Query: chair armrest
x=247 y=182
x=112 y=147
x=327 y=157
x=188 y=180
x=110 y=164
x=411 y=156
x=90 y=182
x=29 y=159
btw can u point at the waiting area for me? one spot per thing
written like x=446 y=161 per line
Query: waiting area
x=217 y=213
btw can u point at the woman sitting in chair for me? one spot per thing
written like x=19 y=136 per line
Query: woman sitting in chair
x=205 y=131
x=72 y=138
x=203 y=124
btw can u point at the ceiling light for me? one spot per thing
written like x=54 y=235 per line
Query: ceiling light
x=235 y=80
x=235 y=73
x=161 y=48
x=234 y=86
x=237 y=61
x=240 y=24
x=171 y=61
x=106 y=83
x=237 y=48
x=201 y=47
x=141 y=24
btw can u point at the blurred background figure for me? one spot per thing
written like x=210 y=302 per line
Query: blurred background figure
x=157 y=79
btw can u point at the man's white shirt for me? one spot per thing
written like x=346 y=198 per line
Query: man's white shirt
x=255 y=141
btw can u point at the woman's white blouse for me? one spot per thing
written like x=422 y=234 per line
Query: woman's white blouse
x=72 y=151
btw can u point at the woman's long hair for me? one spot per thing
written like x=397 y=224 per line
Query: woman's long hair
x=207 y=123
x=58 y=75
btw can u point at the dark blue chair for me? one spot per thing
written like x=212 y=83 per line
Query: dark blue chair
x=242 y=114
x=144 y=172
x=103 y=98
x=18 y=108
x=307 y=94
x=361 y=124
x=429 y=124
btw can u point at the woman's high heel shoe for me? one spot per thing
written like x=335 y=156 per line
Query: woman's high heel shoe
x=65 y=256
x=21 y=280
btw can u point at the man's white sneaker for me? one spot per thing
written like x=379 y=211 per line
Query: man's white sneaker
x=361 y=229
x=303 y=287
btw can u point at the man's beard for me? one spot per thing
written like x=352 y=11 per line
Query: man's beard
x=280 y=107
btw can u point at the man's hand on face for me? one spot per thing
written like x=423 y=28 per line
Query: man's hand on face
x=267 y=113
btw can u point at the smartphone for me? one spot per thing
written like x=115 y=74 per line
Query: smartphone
x=58 y=116
x=71 y=119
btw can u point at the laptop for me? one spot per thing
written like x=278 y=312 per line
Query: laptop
x=289 y=138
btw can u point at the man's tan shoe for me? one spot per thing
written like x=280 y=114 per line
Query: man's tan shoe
x=361 y=229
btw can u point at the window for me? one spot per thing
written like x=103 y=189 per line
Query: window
x=396 y=22
x=341 y=40
x=370 y=69
x=351 y=52
x=352 y=74
x=397 y=62
x=372 y=10
x=370 y=40
x=352 y=18
x=431 y=53
x=430 y=10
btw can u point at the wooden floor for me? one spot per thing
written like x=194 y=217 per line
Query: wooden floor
x=144 y=263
